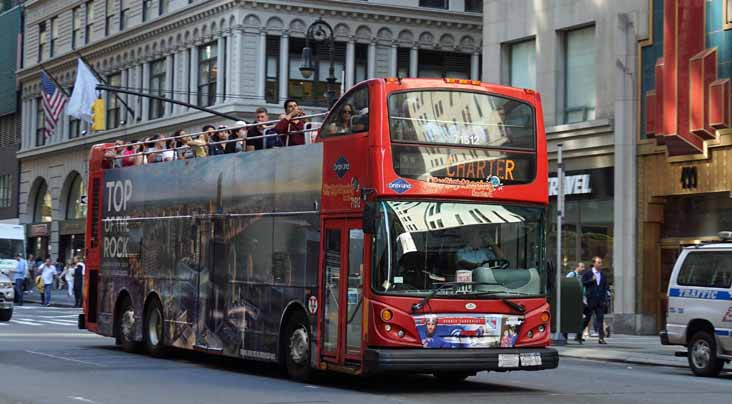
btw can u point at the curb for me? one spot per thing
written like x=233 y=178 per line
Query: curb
x=33 y=301
x=634 y=360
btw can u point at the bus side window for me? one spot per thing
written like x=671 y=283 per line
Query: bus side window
x=351 y=115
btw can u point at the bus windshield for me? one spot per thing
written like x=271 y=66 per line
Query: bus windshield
x=461 y=118
x=486 y=249
x=9 y=248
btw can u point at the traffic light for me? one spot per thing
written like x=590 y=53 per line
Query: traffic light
x=99 y=115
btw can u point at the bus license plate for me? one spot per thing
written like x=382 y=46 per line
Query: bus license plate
x=531 y=359
x=508 y=361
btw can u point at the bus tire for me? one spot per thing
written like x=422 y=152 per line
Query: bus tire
x=125 y=325
x=153 y=329
x=6 y=314
x=296 y=348
x=702 y=355
x=453 y=377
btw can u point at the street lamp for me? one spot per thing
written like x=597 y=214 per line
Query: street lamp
x=318 y=32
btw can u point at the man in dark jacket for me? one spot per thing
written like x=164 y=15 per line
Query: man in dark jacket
x=79 y=269
x=596 y=292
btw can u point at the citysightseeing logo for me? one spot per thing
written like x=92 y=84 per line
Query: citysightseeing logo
x=400 y=186
x=341 y=167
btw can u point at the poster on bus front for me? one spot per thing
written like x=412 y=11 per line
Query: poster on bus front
x=468 y=331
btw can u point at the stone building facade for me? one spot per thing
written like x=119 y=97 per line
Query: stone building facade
x=229 y=55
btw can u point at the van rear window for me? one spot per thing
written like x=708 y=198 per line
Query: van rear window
x=709 y=269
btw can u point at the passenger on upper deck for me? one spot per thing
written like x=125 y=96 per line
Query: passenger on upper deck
x=258 y=131
x=237 y=139
x=289 y=123
x=213 y=137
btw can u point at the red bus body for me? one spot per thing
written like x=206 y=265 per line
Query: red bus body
x=357 y=323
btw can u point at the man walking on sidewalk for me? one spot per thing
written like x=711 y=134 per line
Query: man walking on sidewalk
x=21 y=269
x=79 y=270
x=48 y=272
x=596 y=292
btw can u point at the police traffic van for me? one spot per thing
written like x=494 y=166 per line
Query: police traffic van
x=699 y=313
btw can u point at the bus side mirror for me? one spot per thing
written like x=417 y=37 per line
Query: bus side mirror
x=370 y=213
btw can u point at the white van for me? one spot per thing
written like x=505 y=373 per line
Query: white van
x=699 y=313
x=12 y=242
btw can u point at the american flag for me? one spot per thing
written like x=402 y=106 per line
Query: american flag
x=54 y=101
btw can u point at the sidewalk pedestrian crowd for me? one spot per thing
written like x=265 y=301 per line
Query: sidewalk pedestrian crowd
x=44 y=276
x=595 y=299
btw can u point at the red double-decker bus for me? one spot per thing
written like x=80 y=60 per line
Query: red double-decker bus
x=408 y=236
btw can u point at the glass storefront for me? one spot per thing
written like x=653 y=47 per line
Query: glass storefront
x=587 y=226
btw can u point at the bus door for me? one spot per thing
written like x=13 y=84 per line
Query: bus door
x=342 y=291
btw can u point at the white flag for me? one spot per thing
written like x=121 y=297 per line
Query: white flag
x=83 y=94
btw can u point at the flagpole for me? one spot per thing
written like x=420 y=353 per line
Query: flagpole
x=50 y=76
x=99 y=76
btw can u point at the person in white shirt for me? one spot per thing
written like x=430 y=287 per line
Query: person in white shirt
x=68 y=276
x=48 y=273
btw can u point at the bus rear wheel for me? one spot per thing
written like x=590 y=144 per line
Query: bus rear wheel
x=154 y=329
x=126 y=326
x=296 y=348
x=453 y=377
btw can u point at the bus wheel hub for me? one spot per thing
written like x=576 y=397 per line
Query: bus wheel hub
x=299 y=346
x=128 y=323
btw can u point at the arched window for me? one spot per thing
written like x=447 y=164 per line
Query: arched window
x=42 y=210
x=74 y=208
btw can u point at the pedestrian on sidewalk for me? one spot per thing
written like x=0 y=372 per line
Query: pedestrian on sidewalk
x=579 y=269
x=30 y=263
x=68 y=276
x=21 y=271
x=48 y=273
x=79 y=272
x=596 y=292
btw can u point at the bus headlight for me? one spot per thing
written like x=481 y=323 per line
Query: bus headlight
x=542 y=328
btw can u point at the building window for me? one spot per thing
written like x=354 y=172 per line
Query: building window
x=157 y=87
x=6 y=189
x=443 y=64
x=207 y=74
x=522 y=64
x=75 y=27
x=75 y=209
x=42 y=208
x=146 y=6
x=108 y=16
x=54 y=36
x=271 y=93
x=361 y=72
x=42 y=40
x=444 y=4
x=113 y=105
x=473 y=6
x=579 y=75
x=163 y=6
x=124 y=14
x=303 y=90
x=40 y=123
x=74 y=128
x=88 y=21
x=403 y=62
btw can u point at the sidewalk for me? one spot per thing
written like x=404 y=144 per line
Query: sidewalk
x=635 y=349
x=59 y=298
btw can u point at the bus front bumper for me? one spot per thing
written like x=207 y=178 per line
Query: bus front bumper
x=378 y=360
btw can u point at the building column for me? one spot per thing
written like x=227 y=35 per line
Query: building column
x=193 y=82
x=181 y=77
x=169 y=82
x=261 y=64
x=372 y=60
x=145 y=67
x=413 y=62
x=124 y=82
x=26 y=122
x=34 y=121
x=284 y=76
x=350 y=63
x=221 y=68
x=475 y=66
x=393 y=59
x=235 y=63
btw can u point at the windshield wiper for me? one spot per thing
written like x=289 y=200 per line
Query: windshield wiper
x=418 y=306
x=510 y=303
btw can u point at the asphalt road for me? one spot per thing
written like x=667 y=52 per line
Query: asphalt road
x=45 y=359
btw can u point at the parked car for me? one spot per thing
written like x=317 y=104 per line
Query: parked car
x=699 y=313
x=6 y=298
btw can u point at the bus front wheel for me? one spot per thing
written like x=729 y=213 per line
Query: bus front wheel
x=296 y=348
x=154 y=330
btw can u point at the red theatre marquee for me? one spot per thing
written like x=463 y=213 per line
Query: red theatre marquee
x=690 y=101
